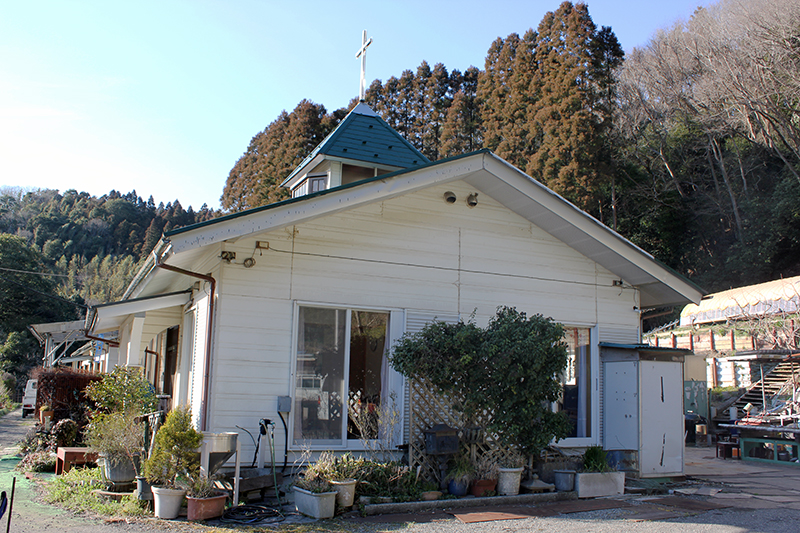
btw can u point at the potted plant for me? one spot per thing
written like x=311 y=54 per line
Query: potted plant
x=459 y=476
x=336 y=472
x=119 y=398
x=429 y=491
x=486 y=471
x=314 y=496
x=174 y=456
x=597 y=478
x=509 y=473
x=118 y=440
x=203 y=500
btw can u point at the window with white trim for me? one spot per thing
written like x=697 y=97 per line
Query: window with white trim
x=576 y=397
x=341 y=375
x=317 y=184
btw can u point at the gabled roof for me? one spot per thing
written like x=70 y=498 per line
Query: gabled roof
x=362 y=136
x=490 y=175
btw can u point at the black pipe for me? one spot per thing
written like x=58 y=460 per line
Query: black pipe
x=285 y=442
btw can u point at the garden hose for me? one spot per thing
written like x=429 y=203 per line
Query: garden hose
x=251 y=514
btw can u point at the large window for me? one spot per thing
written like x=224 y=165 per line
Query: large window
x=576 y=398
x=341 y=375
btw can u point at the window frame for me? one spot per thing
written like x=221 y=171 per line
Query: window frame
x=594 y=390
x=396 y=382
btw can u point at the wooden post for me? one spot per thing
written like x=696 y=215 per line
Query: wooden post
x=714 y=379
x=711 y=339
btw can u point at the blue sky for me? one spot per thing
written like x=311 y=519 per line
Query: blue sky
x=164 y=96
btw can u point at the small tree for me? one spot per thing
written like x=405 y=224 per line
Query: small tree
x=175 y=450
x=510 y=370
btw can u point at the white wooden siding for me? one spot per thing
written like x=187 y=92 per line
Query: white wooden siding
x=413 y=252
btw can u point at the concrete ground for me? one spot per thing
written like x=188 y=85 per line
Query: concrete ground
x=743 y=484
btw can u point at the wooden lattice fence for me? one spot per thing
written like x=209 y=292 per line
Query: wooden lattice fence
x=428 y=408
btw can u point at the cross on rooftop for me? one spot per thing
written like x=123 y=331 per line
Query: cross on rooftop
x=362 y=53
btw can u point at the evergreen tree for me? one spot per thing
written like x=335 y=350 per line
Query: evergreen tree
x=272 y=154
x=567 y=131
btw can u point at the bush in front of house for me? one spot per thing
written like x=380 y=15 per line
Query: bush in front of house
x=511 y=370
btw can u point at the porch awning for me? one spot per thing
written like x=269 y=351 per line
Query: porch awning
x=58 y=332
x=110 y=316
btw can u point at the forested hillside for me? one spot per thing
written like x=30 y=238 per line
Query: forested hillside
x=689 y=147
x=59 y=252
x=92 y=245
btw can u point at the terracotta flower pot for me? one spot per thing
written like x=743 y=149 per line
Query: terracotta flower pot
x=481 y=487
x=45 y=415
x=205 y=508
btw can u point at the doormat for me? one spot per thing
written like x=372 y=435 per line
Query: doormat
x=471 y=515
x=487 y=516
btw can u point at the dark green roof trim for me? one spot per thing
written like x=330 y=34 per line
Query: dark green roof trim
x=644 y=348
x=307 y=197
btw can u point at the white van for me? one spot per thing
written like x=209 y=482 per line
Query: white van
x=29 y=400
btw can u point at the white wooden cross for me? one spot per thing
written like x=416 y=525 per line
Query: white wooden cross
x=362 y=53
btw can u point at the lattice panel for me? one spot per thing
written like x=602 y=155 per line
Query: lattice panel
x=428 y=409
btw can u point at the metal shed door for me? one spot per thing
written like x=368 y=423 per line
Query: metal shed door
x=661 y=417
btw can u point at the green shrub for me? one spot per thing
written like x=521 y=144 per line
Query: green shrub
x=595 y=459
x=75 y=491
x=64 y=433
x=123 y=390
x=175 y=450
x=511 y=370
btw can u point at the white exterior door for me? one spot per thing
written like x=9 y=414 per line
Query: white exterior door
x=661 y=392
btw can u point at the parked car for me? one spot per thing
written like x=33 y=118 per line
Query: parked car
x=29 y=399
